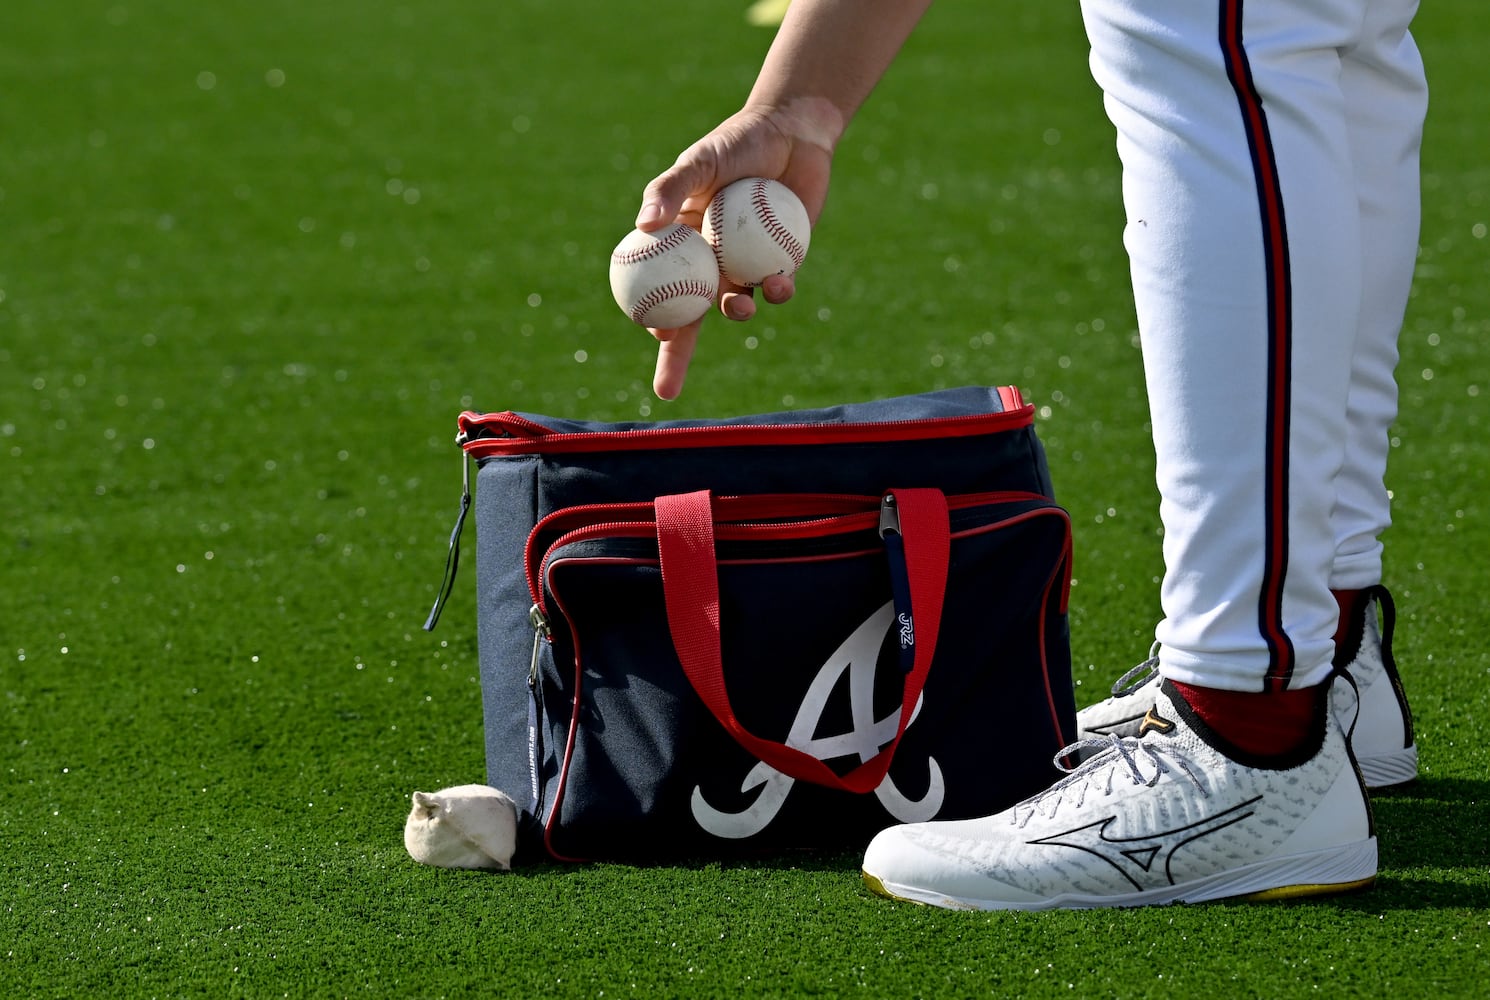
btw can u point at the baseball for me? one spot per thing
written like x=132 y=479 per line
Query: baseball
x=664 y=279
x=757 y=228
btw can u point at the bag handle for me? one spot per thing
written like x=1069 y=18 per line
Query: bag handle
x=690 y=580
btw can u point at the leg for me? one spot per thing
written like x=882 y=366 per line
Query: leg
x=1245 y=237
x=1386 y=98
x=1244 y=242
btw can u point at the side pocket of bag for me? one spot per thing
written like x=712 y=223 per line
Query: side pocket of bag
x=506 y=498
x=615 y=708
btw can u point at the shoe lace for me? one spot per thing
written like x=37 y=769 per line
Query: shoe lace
x=1138 y=676
x=1112 y=756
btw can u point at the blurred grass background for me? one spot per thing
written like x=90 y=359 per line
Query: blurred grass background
x=254 y=260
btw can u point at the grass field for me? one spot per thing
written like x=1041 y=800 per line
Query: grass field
x=254 y=259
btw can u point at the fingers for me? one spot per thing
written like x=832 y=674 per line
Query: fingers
x=778 y=288
x=674 y=351
x=675 y=348
x=745 y=145
x=739 y=303
x=738 y=306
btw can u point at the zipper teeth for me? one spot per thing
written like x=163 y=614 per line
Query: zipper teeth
x=788 y=507
x=735 y=532
x=576 y=535
x=482 y=421
x=730 y=532
x=631 y=526
x=740 y=530
x=1009 y=396
x=638 y=436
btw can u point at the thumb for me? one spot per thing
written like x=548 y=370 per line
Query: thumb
x=676 y=193
x=654 y=213
x=663 y=198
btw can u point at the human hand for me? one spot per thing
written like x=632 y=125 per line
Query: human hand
x=787 y=146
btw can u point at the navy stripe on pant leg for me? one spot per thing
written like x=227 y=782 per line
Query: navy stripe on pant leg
x=1280 y=337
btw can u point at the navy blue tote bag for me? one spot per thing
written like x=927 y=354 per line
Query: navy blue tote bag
x=706 y=638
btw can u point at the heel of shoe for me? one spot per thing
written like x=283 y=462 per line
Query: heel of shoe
x=1377 y=713
x=1390 y=770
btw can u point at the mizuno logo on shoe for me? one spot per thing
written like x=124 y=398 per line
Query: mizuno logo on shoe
x=1146 y=861
x=1155 y=723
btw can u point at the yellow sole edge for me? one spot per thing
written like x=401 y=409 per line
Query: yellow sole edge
x=1306 y=890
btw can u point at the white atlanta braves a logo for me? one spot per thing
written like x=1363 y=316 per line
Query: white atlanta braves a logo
x=858 y=656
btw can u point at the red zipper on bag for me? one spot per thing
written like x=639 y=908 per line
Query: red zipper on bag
x=488 y=435
x=484 y=435
x=739 y=518
x=597 y=517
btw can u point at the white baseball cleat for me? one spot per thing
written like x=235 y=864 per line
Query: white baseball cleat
x=1381 y=736
x=1161 y=817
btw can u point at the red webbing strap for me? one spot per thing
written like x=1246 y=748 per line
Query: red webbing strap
x=685 y=546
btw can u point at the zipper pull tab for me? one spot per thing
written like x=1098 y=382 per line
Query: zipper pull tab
x=541 y=631
x=900 y=580
x=889 y=515
x=452 y=557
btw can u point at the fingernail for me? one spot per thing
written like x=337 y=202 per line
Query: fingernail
x=649 y=214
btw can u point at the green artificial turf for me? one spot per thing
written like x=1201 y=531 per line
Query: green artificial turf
x=255 y=259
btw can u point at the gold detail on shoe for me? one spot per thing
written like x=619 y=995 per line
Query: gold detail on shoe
x=1284 y=892
x=1155 y=723
x=874 y=885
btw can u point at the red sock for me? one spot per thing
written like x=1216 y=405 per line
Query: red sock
x=1348 y=600
x=1264 y=724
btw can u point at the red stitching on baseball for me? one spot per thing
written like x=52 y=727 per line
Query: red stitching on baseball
x=671 y=241
x=716 y=211
x=673 y=289
x=774 y=226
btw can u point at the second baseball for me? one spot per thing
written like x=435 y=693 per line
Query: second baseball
x=757 y=228
x=665 y=279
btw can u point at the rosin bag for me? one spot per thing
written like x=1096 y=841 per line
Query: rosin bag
x=707 y=638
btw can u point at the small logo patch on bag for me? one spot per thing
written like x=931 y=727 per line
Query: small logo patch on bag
x=857 y=656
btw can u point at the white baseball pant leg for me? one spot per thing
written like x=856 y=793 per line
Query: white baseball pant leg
x=1269 y=152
